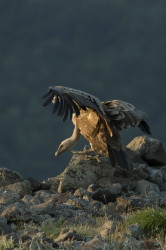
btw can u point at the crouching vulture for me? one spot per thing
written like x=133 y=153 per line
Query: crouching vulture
x=98 y=122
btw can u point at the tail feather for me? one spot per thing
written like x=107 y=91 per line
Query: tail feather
x=144 y=127
x=119 y=158
x=111 y=156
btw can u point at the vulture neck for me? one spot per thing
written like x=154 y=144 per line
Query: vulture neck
x=74 y=138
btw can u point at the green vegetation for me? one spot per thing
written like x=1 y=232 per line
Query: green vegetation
x=151 y=221
x=113 y=49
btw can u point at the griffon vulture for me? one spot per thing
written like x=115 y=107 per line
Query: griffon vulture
x=98 y=122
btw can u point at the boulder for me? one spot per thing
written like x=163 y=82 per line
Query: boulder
x=134 y=230
x=7 y=197
x=83 y=170
x=126 y=204
x=106 y=194
x=144 y=187
x=4 y=227
x=20 y=188
x=8 y=177
x=97 y=243
x=17 y=212
x=35 y=185
x=151 y=150
x=156 y=176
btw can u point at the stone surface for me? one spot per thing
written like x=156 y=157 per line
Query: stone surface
x=134 y=230
x=81 y=193
x=144 y=187
x=97 y=243
x=20 y=188
x=126 y=204
x=151 y=150
x=4 y=227
x=8 y=197
x=17 y=211
x=8 y=177
x=83 y=170
x=35 y=185
x=106 y=194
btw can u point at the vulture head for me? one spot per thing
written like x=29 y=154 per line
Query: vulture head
x=65 y=145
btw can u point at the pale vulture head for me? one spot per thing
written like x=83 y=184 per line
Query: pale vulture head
x=64 y=146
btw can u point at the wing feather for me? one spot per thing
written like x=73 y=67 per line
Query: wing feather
x=125 y=115
x=68 y=99
x=56 y=103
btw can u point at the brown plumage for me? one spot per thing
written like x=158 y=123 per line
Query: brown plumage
x=99 y=122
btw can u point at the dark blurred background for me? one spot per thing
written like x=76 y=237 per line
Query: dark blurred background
x=114 y=49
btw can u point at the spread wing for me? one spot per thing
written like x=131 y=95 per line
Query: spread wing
x=68 y=100
x=125 y=115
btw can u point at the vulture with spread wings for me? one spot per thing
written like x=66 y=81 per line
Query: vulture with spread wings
x=98 y=122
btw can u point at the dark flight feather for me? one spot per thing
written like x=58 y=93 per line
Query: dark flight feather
x=49 y=100
x=144 y=127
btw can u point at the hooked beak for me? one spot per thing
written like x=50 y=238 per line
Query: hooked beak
x=56 y=153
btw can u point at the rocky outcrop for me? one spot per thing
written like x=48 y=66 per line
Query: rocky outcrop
x=8 y=177
x=149 y=149
x=88 y=188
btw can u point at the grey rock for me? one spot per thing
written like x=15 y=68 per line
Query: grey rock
x=134 y=155
x=116 y=217
x=14 y=236
x=127 y=242
x=151 y=150
x=8 y=197
x=83 y=170
x=42 y=195
x=134 y=230
x=35 y=185
x=163 y=170
x=78 y=203
x=53 y=183
x=162 y=199
x=20 y=188
x=8 y=177
x=17 y=211
x=31 y=200
x=106 y=194
x=155 y=176
x=52 y=208
x=152 y=244
x=141 y=171
x=163 y=186
x=4 y=227
x=144 y=187
x=40 y=241
x=81 y=193
x=152 y=198
x=126 y=204
x=97 y=243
